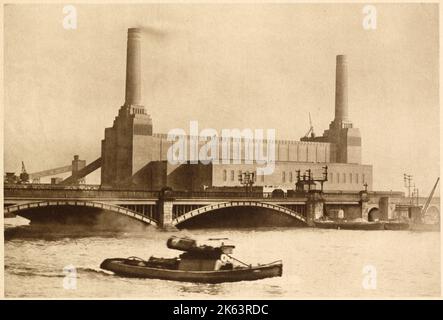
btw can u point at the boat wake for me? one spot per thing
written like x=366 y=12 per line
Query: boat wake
x=51 y=273
x=92 y=271
x=31 y=272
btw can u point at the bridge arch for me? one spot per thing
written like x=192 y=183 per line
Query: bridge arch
x=372 y=207
x=15 y=209
x=222 y=205
x=373 y=213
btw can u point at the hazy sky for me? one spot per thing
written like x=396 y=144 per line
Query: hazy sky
x=227 y=66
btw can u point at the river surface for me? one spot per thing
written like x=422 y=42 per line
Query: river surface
x=316 y=263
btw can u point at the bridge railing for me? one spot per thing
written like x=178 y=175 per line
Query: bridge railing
x=50 y=186
x=230 y=195
x=51 y=192
x=48 y=192
x=220 y=194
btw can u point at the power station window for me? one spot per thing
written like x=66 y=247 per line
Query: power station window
x=350 y=178
x=356 y=178
x=262 y=178
x=363 y=178
x=283 y=176
x=331 y=177
x=344 y=177
x=224 y=175
x=232 y=175
x=290 y=176
x=338 y=177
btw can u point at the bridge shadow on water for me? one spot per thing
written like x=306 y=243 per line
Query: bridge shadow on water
x=241 y=217
x=53 y=223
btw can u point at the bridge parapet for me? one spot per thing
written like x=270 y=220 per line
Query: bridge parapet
x=47 y=192
x=220 y=195
x=99 y=192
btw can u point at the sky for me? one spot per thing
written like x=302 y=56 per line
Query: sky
x=258 y=66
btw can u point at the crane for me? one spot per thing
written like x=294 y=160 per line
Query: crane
x=24 y=176
x=428 y=201
x=311 y=129
x=78 y=169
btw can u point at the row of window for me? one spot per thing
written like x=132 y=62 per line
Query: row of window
x=347 y=178
x=290 y=177
x=232 y=175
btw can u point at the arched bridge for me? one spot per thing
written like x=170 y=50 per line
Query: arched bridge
x=165 y=209
x=212 y=207
x=16 y=209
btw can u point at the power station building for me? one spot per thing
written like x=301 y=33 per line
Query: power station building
x=134 y=156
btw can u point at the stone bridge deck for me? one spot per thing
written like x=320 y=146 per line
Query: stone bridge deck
x=27 y=192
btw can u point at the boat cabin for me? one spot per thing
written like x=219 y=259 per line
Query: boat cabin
x=201 y=258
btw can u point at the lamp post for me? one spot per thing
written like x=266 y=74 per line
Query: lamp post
x=247 y=179
x=366 y=186
x=407 y=178
x=307 y=180
x=415 y=195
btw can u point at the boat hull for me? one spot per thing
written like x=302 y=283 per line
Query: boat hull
x=397 y=226
x=379 y=225
x=119 y=267
x=350 y=225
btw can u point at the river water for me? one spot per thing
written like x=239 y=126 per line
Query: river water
x=316 y=263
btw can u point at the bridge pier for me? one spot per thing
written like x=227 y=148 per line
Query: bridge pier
x=387 y=208
x=314 y=208
x=165 y=205
x=164 y=209
x=364 y=205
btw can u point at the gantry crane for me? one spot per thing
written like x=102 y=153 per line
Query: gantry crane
x=24 y=176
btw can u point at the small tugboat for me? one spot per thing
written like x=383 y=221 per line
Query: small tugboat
x=203 y=263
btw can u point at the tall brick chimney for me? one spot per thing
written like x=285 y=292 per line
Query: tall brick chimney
x=133 y=68
x=341 y=90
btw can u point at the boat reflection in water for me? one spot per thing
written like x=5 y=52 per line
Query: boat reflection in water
x=206 y=264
